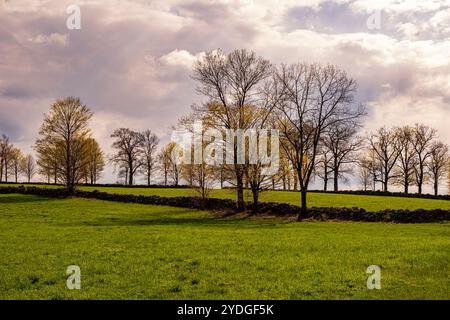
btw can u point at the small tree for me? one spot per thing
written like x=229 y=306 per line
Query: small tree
x=407 y=160
x=95 y=161
x=149 y=158
x=28 y=167
x=387 y=149
x=342 y=142
x=128 y=145
x=16 y=158
x=438 y=164
x=423 y=138
x=5 y=157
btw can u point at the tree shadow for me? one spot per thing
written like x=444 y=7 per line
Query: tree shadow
x=234 y=222
x=20 y=198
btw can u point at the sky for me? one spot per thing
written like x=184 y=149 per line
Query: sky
x=131 y=60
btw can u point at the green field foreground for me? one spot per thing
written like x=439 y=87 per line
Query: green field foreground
x=370 y=203
x=132 y=251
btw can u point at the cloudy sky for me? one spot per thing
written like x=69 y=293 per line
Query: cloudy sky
x=131 y=60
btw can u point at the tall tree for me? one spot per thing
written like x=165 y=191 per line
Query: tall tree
x=128 y=146
x=438 y=163
x=231 y=82
x=385 y=145
x=63 y=135
x=149 y=158
x=423 y=138
x=315 y=98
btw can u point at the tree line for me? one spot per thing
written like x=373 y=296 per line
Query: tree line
x=13 y=163
x=313 y=107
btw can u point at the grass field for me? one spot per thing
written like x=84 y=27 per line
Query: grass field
x=151 y=252
x=370 y=203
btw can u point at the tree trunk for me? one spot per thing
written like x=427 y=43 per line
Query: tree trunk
x=406 y=187
x=303 y=209
x=336 y=180
x=436 y=187
x=130 y=177
x=385 y=182
x=240 y=191
x=255 y=192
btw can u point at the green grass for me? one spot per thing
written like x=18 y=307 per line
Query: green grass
x=370 y=203
x=153 y=252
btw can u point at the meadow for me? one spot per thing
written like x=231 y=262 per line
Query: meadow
x=132 y=251
x=368 y=202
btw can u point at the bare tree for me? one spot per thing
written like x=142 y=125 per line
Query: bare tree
x=315 y=98
x=407 y=160
x=129 y=149
x=387 y=149
x=5 y=157
x=231 y=83
x=323 y=170
x=423 y=138
x=149 y=161
x=63 y=135
x=365 y=173
x=28 y=167
x=16 y=157
x=342 y=142
x=438 y=163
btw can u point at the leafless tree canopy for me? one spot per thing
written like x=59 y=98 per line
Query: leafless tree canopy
x=128 y=146
x=315 y=98
x=233 y=85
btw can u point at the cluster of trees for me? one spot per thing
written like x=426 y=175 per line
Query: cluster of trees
x=135 y=153
x=404 y=156
x=13 y=163
x=312 y=106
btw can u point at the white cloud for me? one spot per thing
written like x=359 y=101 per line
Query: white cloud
x=180 y=58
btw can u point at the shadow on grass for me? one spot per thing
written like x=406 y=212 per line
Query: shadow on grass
x=233 y=221
x=20 y=198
